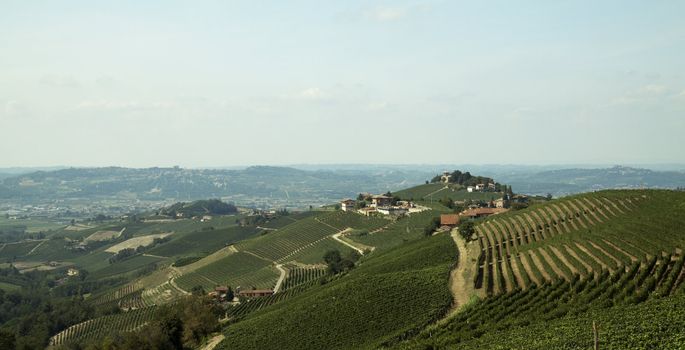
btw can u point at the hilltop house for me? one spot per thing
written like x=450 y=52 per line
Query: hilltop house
x=367 y=211
x=392 y=210
x=480 y=187
x=381 y=201
x=347 y=204
x=449 y=220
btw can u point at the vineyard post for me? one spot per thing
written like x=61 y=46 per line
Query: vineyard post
x=594 y=331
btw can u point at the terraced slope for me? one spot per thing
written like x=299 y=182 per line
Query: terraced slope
x=279 y=245
x=238 y=269
x=580 y=235
x=603 y=293
x=390 y=295
x=101 y=326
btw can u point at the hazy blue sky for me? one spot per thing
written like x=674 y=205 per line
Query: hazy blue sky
x=210 y=83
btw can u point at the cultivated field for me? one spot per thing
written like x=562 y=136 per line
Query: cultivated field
x=135 y=242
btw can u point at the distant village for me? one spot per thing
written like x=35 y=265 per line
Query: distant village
x=388 y=205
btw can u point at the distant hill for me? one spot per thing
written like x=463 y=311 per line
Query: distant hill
x=201 y=207
x=570 y=181
x=259 y=185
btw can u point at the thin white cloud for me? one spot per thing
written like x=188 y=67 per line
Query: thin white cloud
x=61 y=81
x=385 y=14
x=308 y=94
x=116 y=105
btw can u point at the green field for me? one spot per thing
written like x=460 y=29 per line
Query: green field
x=238 y=269
x=278 y=245
x=8 y=287
x=401 y=231
x=437 y=191
x=576 y=302
x=203 y=242
x=389 y=296
x=125 y=266
x=8 y=251
x=577 y=235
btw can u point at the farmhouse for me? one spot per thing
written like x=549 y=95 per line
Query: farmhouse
x=254 y=293
x=449 y=220
x=480 y=187
x=367 y=211
x=381 y=201
x=470 y=189
x=347 y=204
x=72 y=272
x=392 y=210
x=481 y=212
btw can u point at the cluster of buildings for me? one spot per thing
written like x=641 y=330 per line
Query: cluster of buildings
x=380 y=204
x=220 y=293
x=489 y=187
x=474 y=212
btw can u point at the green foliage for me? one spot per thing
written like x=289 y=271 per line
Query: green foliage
x=238 y=269
x=515 y=311
x=467 y=229
x=392 y=294
x=337 y=263
x=201 y=207
x=433 y=225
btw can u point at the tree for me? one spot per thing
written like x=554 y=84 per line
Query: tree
x=432 y=226
x=336 y=263
x=467 y=229
x=198 y=290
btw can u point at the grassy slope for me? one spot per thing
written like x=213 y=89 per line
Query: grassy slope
x=652 y=226
x=389 y=295
x=456 y=192
x=656 y=324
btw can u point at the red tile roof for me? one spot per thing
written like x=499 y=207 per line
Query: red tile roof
x=449 y=219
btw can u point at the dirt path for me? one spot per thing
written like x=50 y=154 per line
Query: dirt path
x=588 y=252
x=155 y=256
x=212 y=343
x=37 y=245
x=553 y=264
x=568 y=217
x=598 y=247
x=172 y=282
x=517 y=273
x=563 y=259
x=621 y=250
x=281 y=278
x=613 y=205
x=536 y=260
x=257 y=256
x=577 y=257
x=529 y=269
x=463 y=273
x=338 y=238
x=434 y=192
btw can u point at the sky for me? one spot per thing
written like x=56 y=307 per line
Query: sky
x=222 y=83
